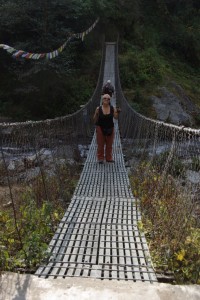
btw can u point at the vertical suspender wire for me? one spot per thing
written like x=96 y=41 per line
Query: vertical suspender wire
x=35 y=131
x=12 y=199
x=34 y=126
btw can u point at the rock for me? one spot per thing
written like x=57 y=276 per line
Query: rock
x=2 y=165
x=29 y=175
x=70 y=161
x=19 y=164
x=34 y=159
x=188 y=105
x=11 y=166
x=48 y=162
x=83 y=149
x=169 y=109
x=193 y=176
x=6 y=205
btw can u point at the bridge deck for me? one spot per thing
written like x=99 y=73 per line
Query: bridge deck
x=98 y=235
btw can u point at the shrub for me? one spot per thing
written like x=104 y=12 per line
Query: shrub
x=26 y=233
x=24 y=243
x=196 y=164
x=169 y=223
x=175 y=166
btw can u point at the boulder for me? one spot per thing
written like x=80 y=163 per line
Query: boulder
x=169 y=108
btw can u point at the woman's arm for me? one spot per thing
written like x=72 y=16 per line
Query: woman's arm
x=96 y=115
x=116 y=112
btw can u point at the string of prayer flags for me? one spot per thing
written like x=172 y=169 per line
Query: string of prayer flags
x=50 y=55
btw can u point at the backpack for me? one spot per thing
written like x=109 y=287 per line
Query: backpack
x=107 y=89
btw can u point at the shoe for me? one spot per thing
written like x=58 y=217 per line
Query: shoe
x=100 y=162
x=110 y=161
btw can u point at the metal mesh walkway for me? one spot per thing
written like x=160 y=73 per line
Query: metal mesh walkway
x=98 y=236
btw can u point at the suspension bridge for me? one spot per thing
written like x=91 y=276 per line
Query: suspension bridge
x=98 y=237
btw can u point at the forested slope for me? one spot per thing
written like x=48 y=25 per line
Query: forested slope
x=159 y=45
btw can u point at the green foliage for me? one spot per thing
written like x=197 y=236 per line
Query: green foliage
x=160 y=46
x=196 y=164
x=44 y=93
x=60 y=186
x=140 y=68
x=159 y=39
x=169 y=222
x=197 y=119
x=174 y=166
x=141 y=71
x=47 y=89
x=34 y=225
x=136 y=107
x=24 y=238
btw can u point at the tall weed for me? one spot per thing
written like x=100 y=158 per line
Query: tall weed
x=169 y=223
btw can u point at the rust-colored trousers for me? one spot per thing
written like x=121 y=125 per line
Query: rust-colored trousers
x=104 y=144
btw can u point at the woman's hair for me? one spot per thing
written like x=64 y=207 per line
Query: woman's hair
x=106 y=96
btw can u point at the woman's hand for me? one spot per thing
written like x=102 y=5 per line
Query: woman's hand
x=96 y=114
x=117 y=110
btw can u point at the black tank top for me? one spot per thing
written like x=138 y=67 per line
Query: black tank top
x=106 y=121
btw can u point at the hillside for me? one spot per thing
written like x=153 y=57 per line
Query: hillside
x=159 y=50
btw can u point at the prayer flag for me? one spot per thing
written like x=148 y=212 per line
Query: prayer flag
x=17 y=53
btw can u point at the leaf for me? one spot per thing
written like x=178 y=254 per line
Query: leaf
x=140 y=225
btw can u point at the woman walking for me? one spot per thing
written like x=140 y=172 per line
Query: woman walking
x=103 y=118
